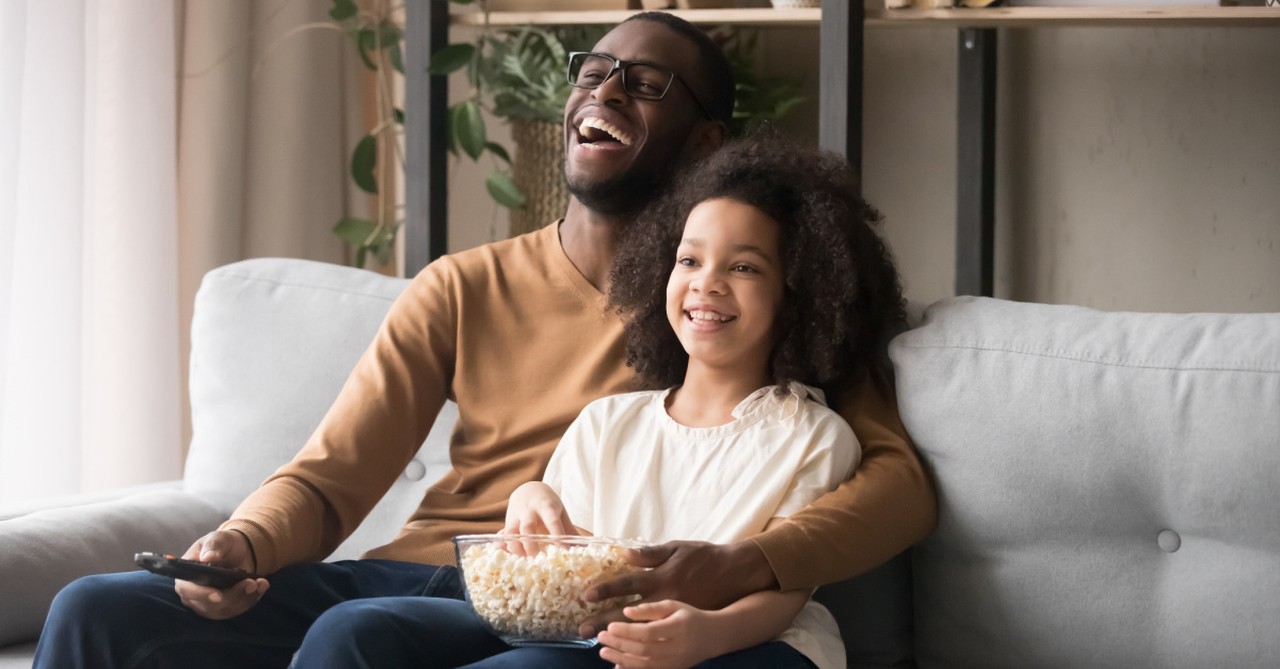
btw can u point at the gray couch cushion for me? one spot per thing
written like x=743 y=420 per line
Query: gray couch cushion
x=43 y=551
x=1108 y=485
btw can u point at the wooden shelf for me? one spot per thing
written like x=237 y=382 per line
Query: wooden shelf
x=1058 y=17
x=840 y=30
x=761 y=17
x=993 y=17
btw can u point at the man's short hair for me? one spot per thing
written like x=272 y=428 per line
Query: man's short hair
x=714 y=71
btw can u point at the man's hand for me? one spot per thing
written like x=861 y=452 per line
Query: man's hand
x=703 y=575
x=225 y=549
x=667 y=635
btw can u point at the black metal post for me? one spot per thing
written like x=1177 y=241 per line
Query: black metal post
x=840 y=81
x=426 y=226
x=975 y=162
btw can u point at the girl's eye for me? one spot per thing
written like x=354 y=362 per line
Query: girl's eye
x=685 y=261
x=743 y=268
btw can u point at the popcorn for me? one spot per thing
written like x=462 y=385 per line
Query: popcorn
x=538 y=596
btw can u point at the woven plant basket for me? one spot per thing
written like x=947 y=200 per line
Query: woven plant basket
x=537 y=170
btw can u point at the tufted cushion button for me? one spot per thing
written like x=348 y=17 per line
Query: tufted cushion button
x=1169 y=541
x=415 y=471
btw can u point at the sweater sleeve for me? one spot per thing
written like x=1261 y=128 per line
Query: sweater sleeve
x=375 y=426
x=888 y=505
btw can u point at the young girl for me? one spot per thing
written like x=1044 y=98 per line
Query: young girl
x=774 y=283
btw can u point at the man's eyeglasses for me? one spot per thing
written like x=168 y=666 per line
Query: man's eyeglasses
x=640 y=80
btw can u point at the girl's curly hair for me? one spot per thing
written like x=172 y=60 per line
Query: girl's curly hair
x=842 y=300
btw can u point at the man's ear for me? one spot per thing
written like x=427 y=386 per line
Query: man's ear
x=707 y=138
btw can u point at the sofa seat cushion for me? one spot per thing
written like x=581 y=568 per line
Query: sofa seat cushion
x=1108 y=485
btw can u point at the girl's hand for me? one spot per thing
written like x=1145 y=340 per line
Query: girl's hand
x=534 y=508
x=669 y=635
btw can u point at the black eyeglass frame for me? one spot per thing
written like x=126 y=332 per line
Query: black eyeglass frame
x=621 y=66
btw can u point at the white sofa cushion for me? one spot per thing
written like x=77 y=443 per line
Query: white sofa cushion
x=1108 y=485
x=272 y=342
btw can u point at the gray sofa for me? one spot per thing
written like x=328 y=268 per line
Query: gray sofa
x=1109 y=483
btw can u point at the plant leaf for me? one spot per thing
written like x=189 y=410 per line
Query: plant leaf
x=451 y=58
x=366 y=43
x=388 y=34
x=498 y=150
x=363 y=160
x=784 y=107
x=504 y=191
x=397 y=57
x=468 y=128
x=385 y=244
x=343 y=9
x=354 y=231
x=398 y=114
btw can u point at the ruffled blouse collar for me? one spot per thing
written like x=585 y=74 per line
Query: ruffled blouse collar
x=759 y=404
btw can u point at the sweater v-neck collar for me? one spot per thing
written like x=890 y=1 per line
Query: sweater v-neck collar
x=551 y=236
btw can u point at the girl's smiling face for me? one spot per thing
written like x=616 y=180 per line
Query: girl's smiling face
x=725 y=290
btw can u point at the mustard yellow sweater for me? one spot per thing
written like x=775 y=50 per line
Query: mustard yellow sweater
x=522 y=342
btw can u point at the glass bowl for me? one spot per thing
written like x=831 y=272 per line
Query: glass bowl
x=528 y=588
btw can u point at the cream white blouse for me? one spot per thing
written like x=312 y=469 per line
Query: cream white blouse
x=626 y=469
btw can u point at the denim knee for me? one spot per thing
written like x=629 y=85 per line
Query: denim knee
x=100 y=597
x=356 y=618
x=96 y=616
x=351 y=634
x=382 y=632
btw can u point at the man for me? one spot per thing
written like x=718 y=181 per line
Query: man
x=517 y=332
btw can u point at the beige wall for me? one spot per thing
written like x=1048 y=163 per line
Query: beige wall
x=1138 y=168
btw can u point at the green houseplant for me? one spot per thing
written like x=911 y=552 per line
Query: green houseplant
x=373 y=26
x=757 y=98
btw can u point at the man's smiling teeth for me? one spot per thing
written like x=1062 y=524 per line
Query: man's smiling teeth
x=710 y=316
x=604 y=126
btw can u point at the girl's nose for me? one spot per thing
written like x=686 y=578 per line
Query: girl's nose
x=709 y=282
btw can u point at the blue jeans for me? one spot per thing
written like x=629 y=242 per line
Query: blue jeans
x=135 y=619
x=357 y=613
x=772 y=655
x=432 y=632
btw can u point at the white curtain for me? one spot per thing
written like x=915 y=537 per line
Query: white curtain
x=266 y=122
x=89 y=360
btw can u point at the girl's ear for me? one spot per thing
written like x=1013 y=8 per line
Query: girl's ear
x=706 y=139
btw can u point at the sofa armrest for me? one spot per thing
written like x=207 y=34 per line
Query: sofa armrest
x=18 y=509
x=42 y=551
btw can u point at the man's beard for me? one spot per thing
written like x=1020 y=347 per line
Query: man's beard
x=627 y=194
